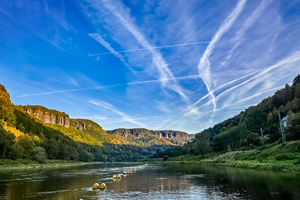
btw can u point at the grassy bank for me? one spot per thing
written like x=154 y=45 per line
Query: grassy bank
x=24 y=163
x=268 y=157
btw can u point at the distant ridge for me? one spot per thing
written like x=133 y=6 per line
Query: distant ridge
x=174 y=137
x=38 y=133
x=95 y=135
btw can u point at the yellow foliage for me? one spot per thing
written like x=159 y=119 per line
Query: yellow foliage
x=77 y=135
x=13 y=130
x=36 y=138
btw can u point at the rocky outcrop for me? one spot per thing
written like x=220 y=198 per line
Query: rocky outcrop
x=84 y=124
x=192 y=136
x=175 y=137
x=80 y=125
x=48 y=116
x=171 y=134
x=138 y=132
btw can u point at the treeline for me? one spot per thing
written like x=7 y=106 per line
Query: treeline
x=39 y=142
x=257 y=125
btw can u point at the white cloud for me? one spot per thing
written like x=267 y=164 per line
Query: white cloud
x=229 y=97
x=112 y=108
x=288 y=62
x=100 y=39
x=204 y=64
x=112 y=51
x=122 y=14
x=249 y=22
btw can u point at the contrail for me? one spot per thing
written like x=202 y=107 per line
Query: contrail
x=114 y=85
x=249 y=22
x=123 y=17
x=100 y=39
x=143 y=49
x=204 y=64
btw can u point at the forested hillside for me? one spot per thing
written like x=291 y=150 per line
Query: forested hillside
x=38 y=133
x=258 y=125
x=142 y=136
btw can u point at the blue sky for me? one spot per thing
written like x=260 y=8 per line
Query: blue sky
x=166 y=64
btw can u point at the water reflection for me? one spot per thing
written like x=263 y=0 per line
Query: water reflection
x=150 y=182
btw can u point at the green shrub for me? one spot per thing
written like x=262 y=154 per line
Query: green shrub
x=39 y=154
x=165 y=158
x=253 y=138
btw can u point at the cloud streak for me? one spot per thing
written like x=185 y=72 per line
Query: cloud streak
x=52 y=92
x=249 y=22
x=204 y=64
x=145 y=49
x=285 y=63
x=128 y=22
x=100 y=39
x=258 y=77
x=112 y=108
x=109 y=86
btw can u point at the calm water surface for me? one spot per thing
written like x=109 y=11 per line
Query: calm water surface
x=149 y=182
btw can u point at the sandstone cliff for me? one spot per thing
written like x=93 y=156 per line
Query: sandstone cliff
x=48 y=116
x=84 y=124
x=175 y=137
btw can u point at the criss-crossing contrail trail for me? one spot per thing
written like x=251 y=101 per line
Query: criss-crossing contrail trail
x=114 y=85
x=204 y=63
x=143 y=49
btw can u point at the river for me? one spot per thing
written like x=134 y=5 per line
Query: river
x=172 y=181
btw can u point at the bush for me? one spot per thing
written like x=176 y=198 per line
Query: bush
x=293 y=129
x=253 y=138
x=16 y=151
x=6 y=143
x=27 y=144
x=165 y=158
x=39 y=154
x=227 y=157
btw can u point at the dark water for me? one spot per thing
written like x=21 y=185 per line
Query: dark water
x=149 y=182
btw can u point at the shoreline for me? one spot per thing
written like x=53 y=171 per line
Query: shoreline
x=270 y=157
x=237 y=164
x=51 y=164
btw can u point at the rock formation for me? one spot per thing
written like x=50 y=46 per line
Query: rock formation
x=48 y=116
x=84 y=124
x=175 y=137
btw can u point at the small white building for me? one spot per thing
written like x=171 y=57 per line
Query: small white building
x=284 y=120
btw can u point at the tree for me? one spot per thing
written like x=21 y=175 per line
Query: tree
x=165 y=158
x=297 y=90
x=6 y=142
x=202 y=144
x=296 y=104
x=52 y=148
x=293 y=128
x=39 y=154
x=6 y=108
x=281 y=97
x=255 y=118
x=253 y=138
x=296 y=80
x=288 y=93
x=27 y=143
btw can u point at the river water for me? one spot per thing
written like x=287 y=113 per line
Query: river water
x=170 y=181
